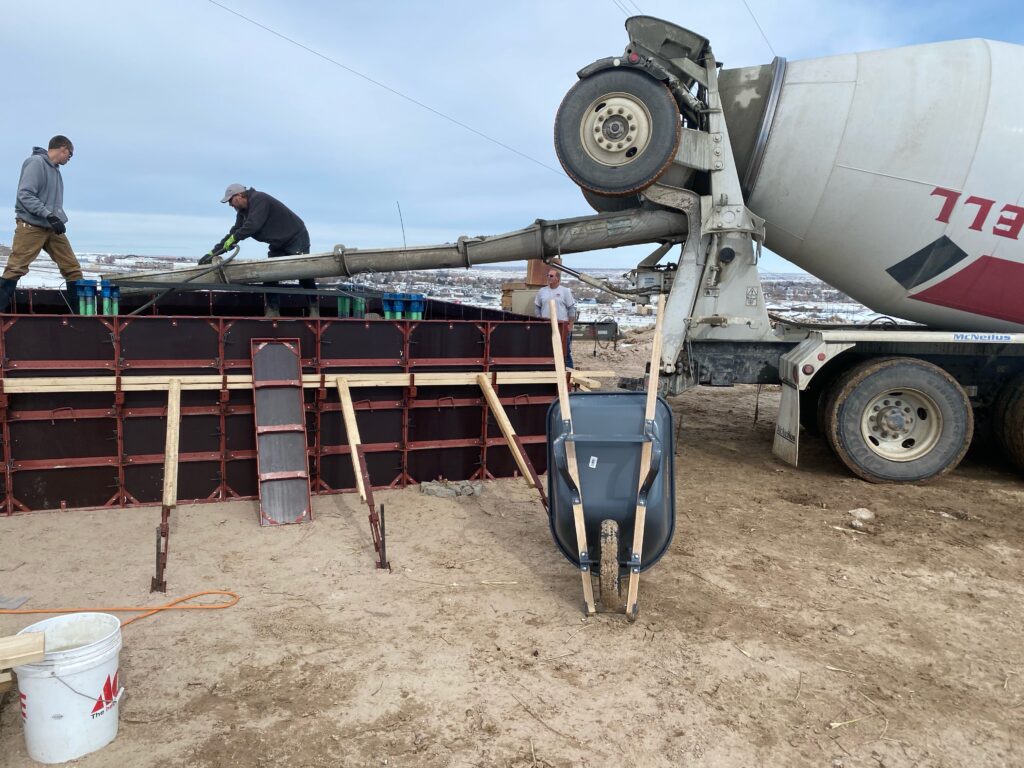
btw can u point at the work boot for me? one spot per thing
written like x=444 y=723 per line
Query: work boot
x=271 y=311
x=6 y=293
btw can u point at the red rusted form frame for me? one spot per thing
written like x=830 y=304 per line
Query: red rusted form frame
x=376 y=521
x=49 y=346
x=163 y=543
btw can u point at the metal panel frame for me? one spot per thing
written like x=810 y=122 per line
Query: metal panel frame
x=115 y=457
x=273 y=399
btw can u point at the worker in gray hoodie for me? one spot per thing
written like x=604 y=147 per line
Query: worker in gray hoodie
x=40 y=219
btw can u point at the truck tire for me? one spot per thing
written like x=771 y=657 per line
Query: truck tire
x=809 y=410
x=1008 y=421
x=606 y=204
x=617 y=132
x=814 y=398
x=898 y=420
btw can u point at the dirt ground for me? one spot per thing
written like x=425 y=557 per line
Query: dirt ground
x=770 y=634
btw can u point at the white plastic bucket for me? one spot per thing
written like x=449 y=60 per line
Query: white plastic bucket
x=69 y=700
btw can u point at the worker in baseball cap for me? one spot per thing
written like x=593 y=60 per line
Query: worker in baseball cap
x=267 y=220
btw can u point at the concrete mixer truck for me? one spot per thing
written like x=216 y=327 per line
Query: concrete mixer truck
x=894 y=176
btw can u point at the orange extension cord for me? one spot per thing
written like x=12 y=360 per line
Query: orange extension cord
x=143 y=611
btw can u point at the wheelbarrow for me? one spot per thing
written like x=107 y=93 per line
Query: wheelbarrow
x=611 y=480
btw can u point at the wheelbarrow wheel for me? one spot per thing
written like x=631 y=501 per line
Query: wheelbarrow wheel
x=610 y=597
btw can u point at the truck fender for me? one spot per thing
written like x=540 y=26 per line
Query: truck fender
x=614 y=62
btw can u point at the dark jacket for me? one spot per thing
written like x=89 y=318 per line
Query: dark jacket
x=267 y=220
x=40 y=190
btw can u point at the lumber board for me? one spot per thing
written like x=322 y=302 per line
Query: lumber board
x=570 y=455
x=583 y=381
x=504 y=425
x=56 y=384
x=348 y=413
x=171 y=443
x=645 y=459
x=16 y=650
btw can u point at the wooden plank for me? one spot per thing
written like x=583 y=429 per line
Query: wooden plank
x=645 y=460
x=16 y=650
x=523 y=377
x=504 y=425
x=51 y=384
x=348 y=413
x=570 y=455
x=171 y=443
x=586 y=382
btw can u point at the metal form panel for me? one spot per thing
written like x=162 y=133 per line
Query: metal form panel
x=106 y=448
x=282 y=465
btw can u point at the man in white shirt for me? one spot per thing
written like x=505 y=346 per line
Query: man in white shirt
x=565 y=306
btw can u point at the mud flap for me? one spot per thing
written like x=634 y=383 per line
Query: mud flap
x=787 y=426
x=796 y=369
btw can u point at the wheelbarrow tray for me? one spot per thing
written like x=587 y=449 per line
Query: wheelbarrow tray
x=608 y=431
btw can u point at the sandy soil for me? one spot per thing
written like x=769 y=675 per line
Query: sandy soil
x=769 y=634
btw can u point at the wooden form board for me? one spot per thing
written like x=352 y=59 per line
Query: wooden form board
x=279 y=411
x=505 y=426
x=348 y=412
x=21 y=649
x=170 y=497
x=53 y=384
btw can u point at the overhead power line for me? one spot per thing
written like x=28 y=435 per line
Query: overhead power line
x=388 y=88
x=759 y=29
x=624 y=6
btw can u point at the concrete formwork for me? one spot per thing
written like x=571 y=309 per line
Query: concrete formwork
x=105 y=447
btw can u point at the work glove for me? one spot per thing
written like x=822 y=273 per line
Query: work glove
x=227 y=244
x=207 y=259
x=57 y=225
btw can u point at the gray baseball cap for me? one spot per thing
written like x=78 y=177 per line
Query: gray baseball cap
x=232 y=190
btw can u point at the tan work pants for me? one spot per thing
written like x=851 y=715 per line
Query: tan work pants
x=29 y=240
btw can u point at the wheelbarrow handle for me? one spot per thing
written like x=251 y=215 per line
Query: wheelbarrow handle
x=652 y=432
x=562 y=465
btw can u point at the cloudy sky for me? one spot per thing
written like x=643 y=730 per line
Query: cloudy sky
x=169 y=102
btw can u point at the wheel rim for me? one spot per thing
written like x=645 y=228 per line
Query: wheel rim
x=615 y=129
x=901 y=425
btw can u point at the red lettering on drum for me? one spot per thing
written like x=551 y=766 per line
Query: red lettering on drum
x=984 y=206
x=1012 y=223
x=1009 y=224
x=947 y=207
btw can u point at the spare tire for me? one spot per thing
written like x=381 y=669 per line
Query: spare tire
x=617 y=131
